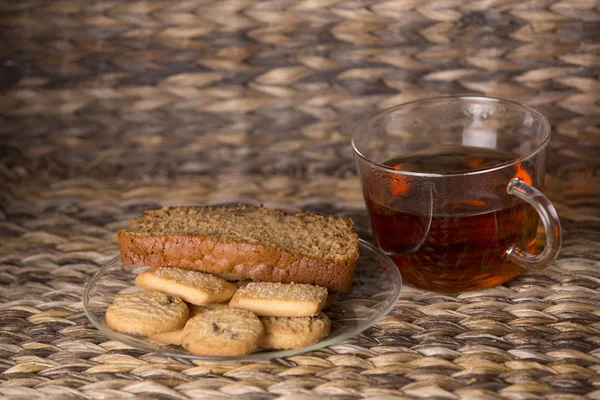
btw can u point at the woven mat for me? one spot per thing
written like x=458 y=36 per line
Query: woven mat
x=110 y=107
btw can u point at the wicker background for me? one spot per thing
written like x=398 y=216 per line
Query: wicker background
x=109 y=107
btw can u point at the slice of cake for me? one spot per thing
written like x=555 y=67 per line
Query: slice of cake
x=254 y=243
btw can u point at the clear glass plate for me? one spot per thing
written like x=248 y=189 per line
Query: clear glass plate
x=375 y=290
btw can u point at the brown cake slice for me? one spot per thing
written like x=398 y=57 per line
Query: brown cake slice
x=256 y=243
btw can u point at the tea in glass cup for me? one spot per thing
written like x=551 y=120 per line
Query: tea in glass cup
x=452 y=189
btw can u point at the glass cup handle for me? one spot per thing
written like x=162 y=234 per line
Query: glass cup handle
x=551 y=223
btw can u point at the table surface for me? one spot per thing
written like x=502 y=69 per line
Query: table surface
x=110 y=107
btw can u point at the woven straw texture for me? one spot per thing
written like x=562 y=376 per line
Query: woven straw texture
x=110 y=107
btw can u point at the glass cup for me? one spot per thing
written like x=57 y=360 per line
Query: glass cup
x=452 y=186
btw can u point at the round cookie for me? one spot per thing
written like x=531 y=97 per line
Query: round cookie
x=293 y=332
x=173 y=337
x=222 y=332
x=197 y=310
x=146 y=313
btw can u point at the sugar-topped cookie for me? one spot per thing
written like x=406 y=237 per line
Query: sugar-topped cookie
x=280 y=299
x=192 y=286
x=229 y=276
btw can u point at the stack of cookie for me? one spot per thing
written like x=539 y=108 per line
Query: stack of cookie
x=211 y=316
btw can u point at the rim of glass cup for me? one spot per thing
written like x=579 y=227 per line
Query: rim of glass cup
x=515 y=161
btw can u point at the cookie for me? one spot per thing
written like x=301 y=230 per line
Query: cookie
x=272 y=299
x=197 y=310
x=192 y=286
x=293 y=332
x=146 y=313
x=243 y=283
x=229 y=276
x=224 y=332
x=331 y=299
x=173 y=337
